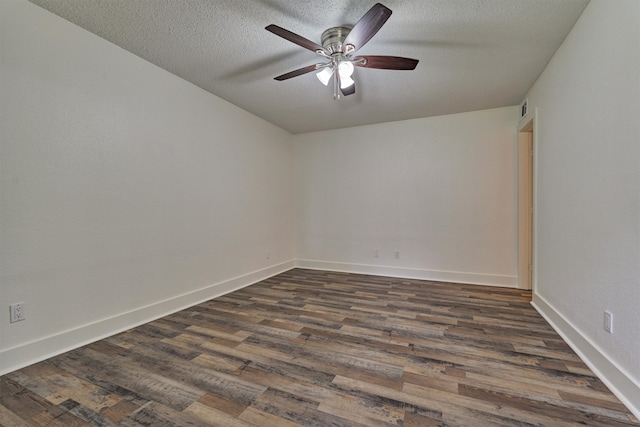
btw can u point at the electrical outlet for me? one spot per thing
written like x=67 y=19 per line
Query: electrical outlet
x=17 y=312
x=397 y=254
x=268 y=255
x=376 y=253
x=608 y=322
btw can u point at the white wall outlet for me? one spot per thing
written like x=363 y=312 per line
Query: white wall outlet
x=268 y=255
x=17 y=312
x=397 y=254
x=608 y=322
x=376 y=253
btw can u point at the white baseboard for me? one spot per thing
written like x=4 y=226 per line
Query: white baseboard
x=614 y=377
x=14 y=358
x=412 y=273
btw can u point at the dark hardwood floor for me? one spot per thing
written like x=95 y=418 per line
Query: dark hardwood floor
x=317 y=348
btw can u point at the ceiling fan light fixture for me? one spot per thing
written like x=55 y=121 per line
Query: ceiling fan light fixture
x=345 y=69
x=324 y=75
x=346 y=82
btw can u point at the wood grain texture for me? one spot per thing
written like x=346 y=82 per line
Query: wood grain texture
x=315 y=348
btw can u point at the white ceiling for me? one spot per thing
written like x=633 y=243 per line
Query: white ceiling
x=474 y=54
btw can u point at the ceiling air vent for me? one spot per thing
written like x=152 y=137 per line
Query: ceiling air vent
x=523 y=108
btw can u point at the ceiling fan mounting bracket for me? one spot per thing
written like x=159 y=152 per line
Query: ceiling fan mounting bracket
x=333 y=39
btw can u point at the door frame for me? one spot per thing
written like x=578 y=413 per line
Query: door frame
x=526 y=203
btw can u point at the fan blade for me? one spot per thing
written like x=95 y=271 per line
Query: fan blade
x=349 y=91
x=385 y=62
x=367 y=26
x=298 y=72
x=294 y=38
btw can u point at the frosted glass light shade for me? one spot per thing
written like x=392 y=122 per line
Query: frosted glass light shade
x=324 y=75
x=346 y=70
x=345 y=82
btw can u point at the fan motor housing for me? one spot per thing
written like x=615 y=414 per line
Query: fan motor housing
x=333 y=38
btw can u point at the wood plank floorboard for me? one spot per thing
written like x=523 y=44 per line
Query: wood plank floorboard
x=317 y=348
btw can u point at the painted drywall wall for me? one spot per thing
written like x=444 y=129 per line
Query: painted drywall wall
x=587 y=139
x=441 y=191
x=126 y=192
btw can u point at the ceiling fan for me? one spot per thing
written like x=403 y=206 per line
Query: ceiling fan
x=339 y=45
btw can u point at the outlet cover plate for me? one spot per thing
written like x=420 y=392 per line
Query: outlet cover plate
x=17 y=312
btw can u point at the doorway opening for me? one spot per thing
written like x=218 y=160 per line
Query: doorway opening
x=525 y=206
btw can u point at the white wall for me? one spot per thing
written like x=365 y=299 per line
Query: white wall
x=440 y=190
x=126 y=192
x=587 y=138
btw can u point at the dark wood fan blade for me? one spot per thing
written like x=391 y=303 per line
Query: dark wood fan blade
x=294 y=38
x=349 y=91
x=368 y=26
x=298 y=72
x=386 y=62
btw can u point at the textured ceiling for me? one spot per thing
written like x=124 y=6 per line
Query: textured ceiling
x=474 y=54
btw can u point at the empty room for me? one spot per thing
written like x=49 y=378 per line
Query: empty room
x=278 y=213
